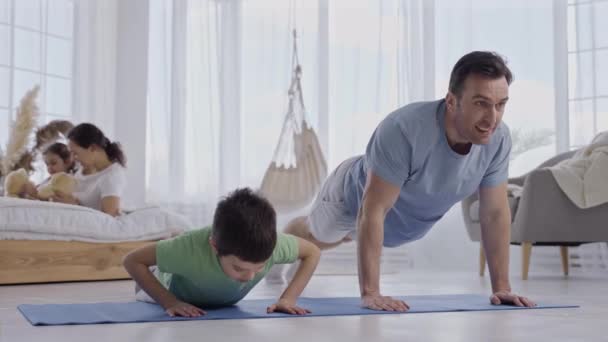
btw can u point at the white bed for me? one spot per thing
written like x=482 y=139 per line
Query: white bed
x=50 y=242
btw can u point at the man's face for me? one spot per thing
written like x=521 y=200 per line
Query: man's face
x=479 y=109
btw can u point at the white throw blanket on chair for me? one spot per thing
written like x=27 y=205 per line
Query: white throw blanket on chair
x=584 y=177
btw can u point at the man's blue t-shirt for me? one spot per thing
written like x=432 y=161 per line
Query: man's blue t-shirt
x=410 y=149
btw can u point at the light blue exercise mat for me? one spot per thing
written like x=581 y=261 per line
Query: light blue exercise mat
x=131 y=312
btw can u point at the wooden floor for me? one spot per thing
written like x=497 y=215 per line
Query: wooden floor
x=587 y=323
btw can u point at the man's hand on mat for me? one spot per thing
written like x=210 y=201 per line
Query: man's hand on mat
x=383 y=303
x=184 y=310
x=508 y=298
x=288 y=307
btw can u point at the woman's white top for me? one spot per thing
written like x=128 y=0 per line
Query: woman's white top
x=109 y=182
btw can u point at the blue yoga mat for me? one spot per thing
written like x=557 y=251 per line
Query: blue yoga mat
x=132 y=312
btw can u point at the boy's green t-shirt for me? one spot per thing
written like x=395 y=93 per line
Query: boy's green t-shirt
x=189 y=268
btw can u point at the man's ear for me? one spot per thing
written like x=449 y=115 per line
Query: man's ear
x=451 y=101
x=213 y=246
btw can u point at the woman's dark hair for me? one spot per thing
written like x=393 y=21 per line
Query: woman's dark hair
x=245 y=225
x=61 y=150
x=87 y=134
x=484 y=63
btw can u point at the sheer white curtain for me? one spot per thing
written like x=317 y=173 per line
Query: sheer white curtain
x=95 y=39
x=381 y=57
x=266 y=73
x=219 y=74
x=185 y=64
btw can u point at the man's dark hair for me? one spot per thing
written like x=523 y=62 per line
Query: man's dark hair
x=245 y=225
x=484 y=63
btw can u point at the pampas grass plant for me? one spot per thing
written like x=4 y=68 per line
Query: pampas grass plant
x=17 y=154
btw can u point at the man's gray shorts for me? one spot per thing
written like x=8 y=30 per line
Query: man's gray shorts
x=330 y=220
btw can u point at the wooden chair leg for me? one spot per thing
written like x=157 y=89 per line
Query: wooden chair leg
x=526 y=248
x=565 y=262
x=482 y=260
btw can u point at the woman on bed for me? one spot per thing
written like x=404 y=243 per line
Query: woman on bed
x=101 y=177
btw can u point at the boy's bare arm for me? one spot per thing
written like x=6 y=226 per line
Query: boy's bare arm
x=137 y=263
x=309 y=255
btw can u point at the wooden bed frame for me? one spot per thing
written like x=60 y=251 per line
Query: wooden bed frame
x=42 y=261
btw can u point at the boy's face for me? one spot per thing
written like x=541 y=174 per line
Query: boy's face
x=239 y=270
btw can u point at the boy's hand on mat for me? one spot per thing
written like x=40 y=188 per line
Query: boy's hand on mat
x=184 y=310
x=288 y=307
x=383 y=303
x=508 y=298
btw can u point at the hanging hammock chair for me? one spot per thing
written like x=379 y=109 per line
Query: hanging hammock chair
x=298 y=166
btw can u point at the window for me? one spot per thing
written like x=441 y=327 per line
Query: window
x=587 y=70
x=36 y=47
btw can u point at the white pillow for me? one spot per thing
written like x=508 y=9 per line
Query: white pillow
x=21 y=218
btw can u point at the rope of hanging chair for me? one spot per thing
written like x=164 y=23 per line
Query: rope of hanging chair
x=296 y=73
x=294 y=94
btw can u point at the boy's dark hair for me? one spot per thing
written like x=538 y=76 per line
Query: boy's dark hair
x=484 y=63
x=62 y=151
x=245 y=225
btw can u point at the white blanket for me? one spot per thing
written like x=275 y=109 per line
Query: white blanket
x=36 y=220
x=584 y=177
